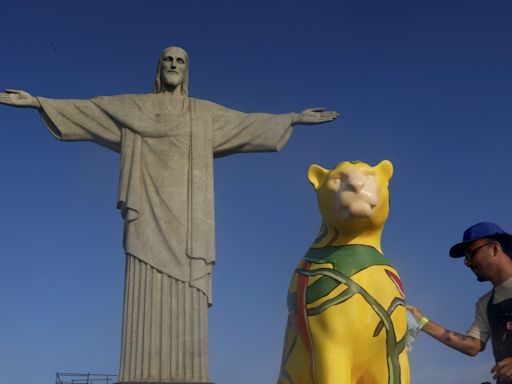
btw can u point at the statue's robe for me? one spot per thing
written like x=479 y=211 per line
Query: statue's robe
x=167 y=144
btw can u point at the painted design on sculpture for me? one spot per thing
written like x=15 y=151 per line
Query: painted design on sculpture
x=347 y=319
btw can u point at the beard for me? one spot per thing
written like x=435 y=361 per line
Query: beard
x=480 y=278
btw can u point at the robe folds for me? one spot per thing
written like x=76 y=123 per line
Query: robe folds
x=167 y=144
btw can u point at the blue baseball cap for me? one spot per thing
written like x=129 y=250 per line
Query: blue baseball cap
x=475 y=232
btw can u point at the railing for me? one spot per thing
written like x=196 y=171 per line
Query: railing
x=83 y=378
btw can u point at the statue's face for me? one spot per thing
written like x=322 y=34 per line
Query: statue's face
x=173 y=68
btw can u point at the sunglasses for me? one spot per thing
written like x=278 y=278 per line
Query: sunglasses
x=469 y=254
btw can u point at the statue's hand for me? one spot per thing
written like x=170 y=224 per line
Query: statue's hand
x=314 y=116
x=18 y=98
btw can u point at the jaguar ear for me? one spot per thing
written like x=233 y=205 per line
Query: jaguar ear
x=317 y=175
x=385 y=167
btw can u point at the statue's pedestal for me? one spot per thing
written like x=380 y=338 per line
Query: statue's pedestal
x=164 y=382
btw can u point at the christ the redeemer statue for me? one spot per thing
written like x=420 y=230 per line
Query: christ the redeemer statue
x=167 y=142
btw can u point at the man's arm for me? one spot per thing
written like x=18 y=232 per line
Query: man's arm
x=463 y=343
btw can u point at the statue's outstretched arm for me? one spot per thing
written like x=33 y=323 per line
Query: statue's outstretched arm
x=314 y=116
x=18 y=98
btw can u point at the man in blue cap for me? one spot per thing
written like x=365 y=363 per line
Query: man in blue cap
x=487 y=251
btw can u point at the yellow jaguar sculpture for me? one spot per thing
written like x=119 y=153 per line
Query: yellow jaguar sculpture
x=347 y=320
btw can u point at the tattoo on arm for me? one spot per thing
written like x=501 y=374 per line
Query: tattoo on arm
x=448 y=336
x=460 y=342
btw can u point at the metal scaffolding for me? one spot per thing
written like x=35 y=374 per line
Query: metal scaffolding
x=84 y=378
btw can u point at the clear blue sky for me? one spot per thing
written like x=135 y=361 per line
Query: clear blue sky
x=425 y=84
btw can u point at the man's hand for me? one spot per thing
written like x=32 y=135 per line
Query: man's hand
x=18 y=98
x=418 y=315
x=314 y=116
x=503 y=370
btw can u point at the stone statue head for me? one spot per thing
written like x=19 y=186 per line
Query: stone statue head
x=172 y=71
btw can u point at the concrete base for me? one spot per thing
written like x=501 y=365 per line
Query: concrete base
x=163 y=382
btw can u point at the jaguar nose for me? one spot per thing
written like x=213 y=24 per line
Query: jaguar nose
x=355 y=180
